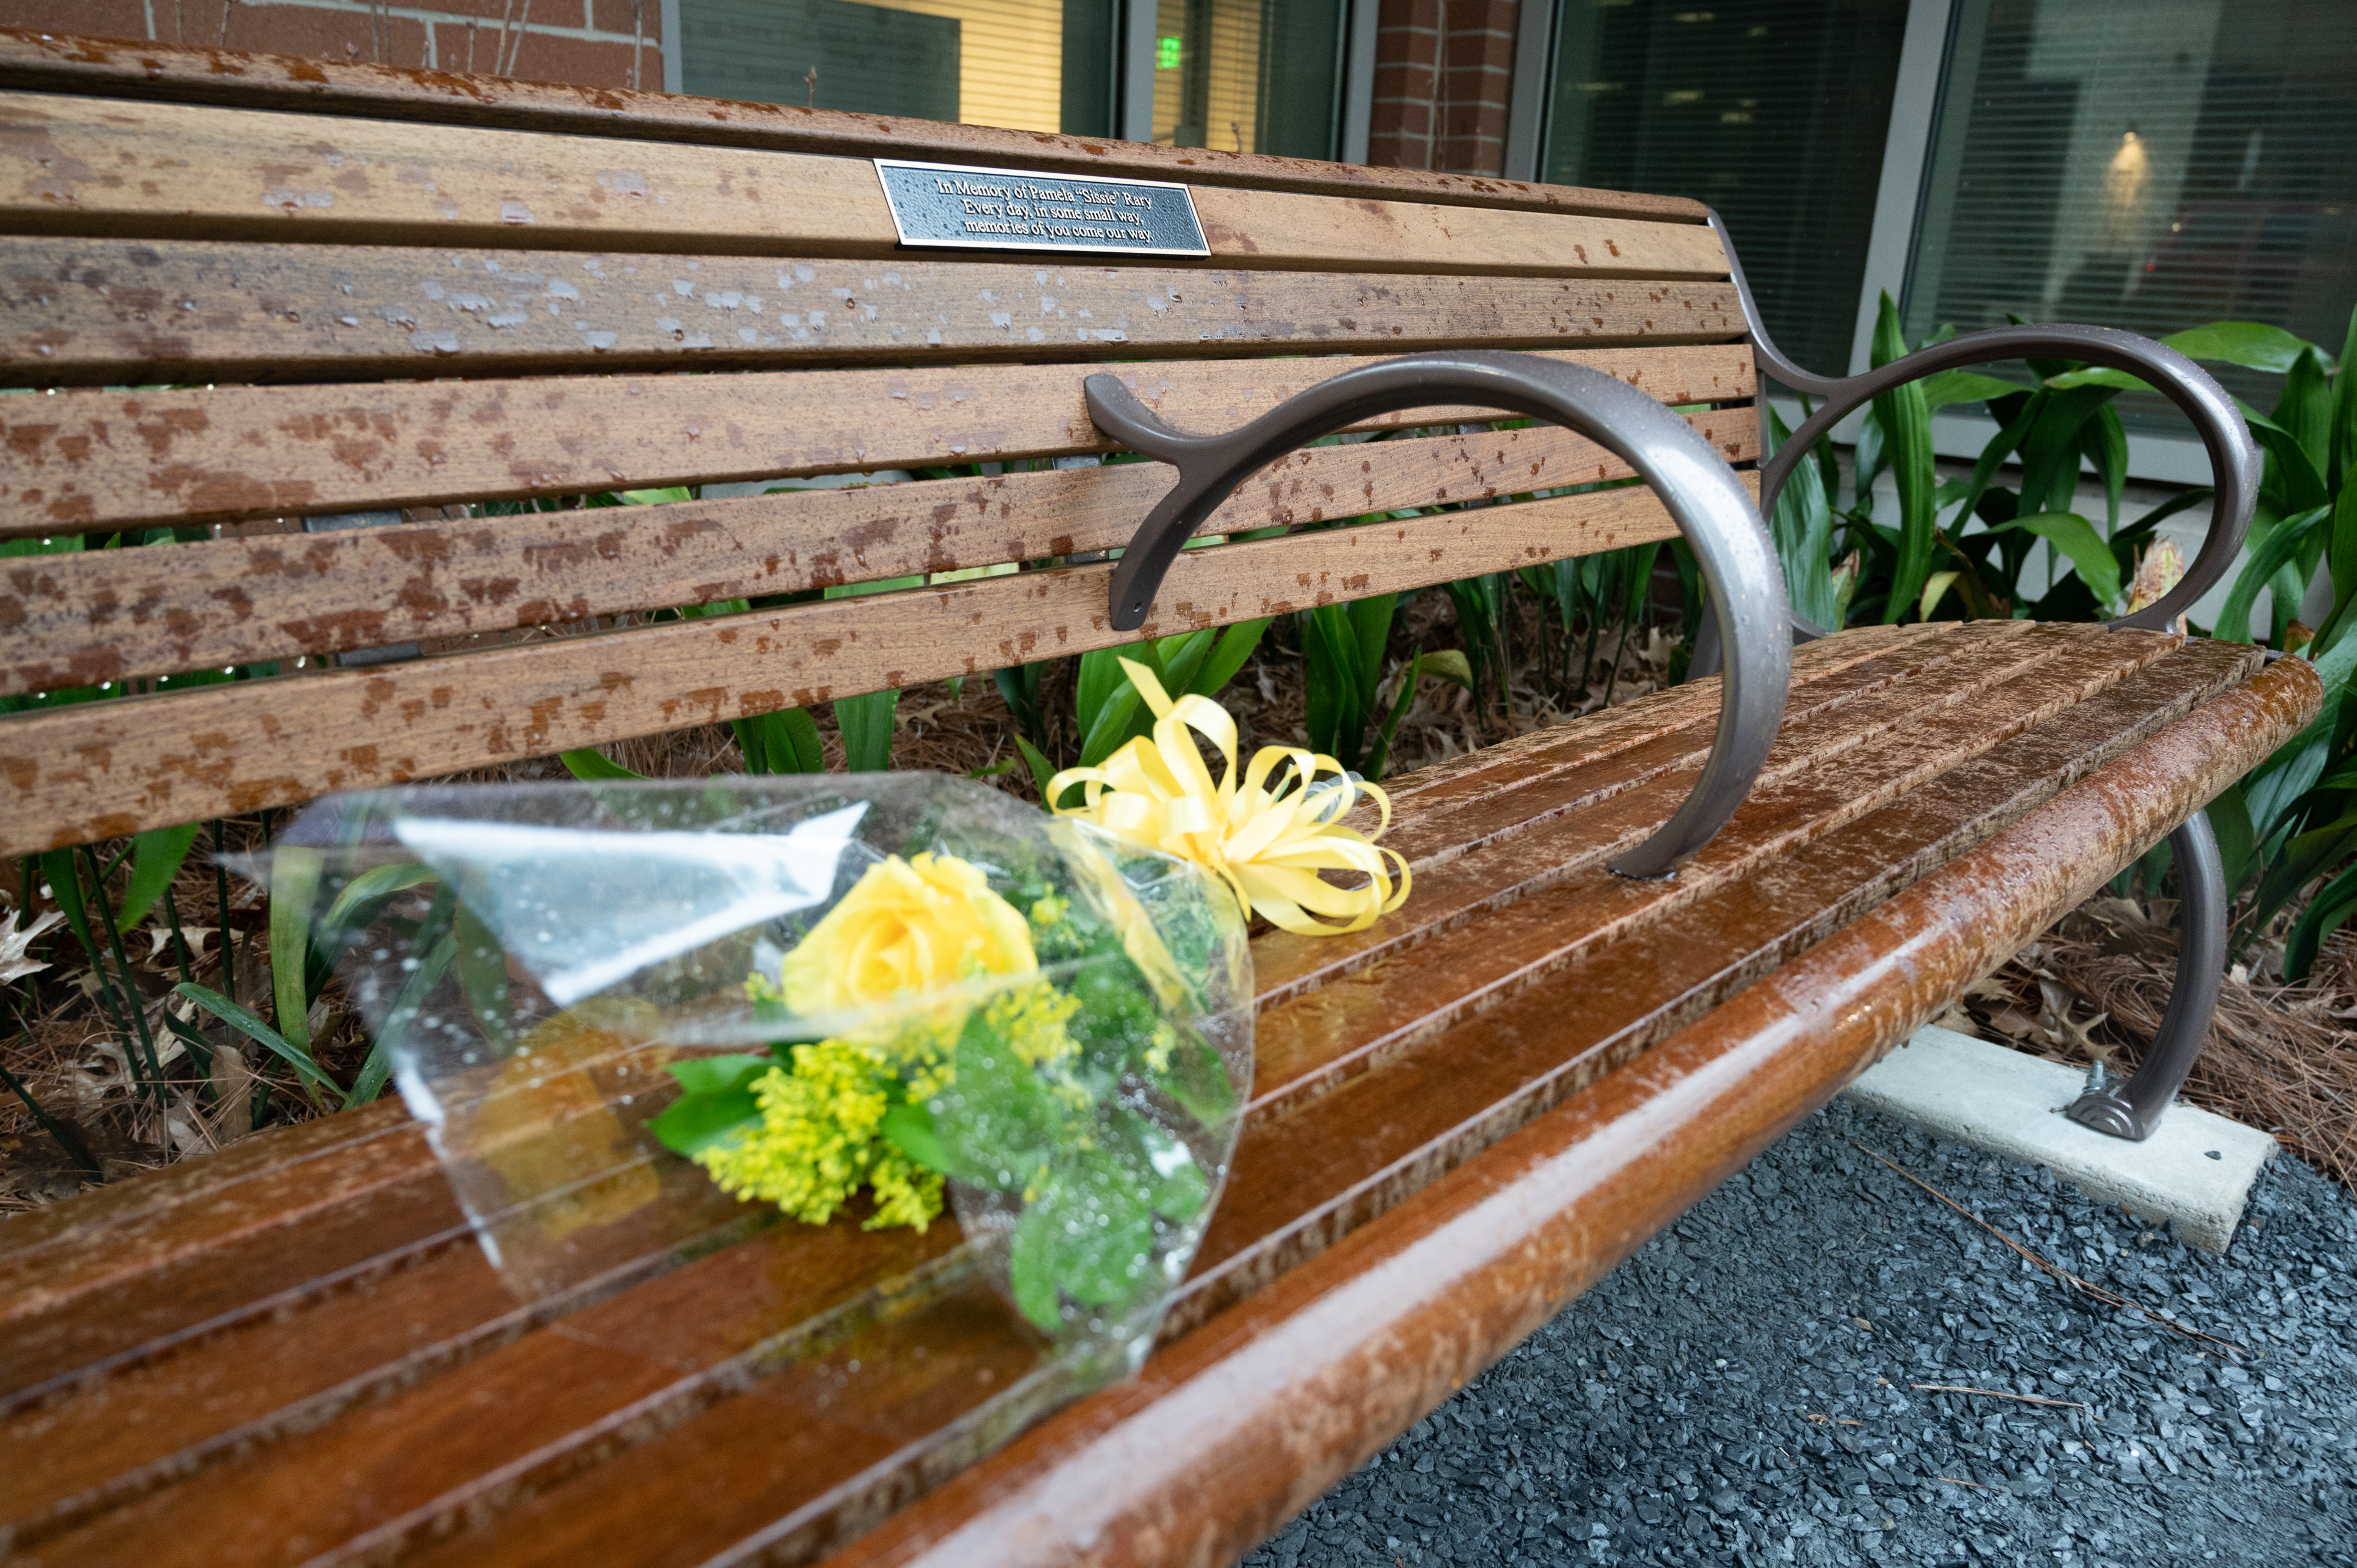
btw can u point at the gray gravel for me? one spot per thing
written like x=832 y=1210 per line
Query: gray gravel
x=1740 y=1391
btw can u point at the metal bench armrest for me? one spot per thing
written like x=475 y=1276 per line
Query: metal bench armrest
x=2234 y=455
x=1703 y=494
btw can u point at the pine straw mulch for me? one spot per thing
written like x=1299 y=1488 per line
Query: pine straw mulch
x=2283 y=1058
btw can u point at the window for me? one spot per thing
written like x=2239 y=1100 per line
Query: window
x=1029 y=65
x=1249 y=76
x=1774 y=112
x=2150 y=167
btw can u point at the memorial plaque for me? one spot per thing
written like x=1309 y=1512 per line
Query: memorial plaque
x=1016 y=209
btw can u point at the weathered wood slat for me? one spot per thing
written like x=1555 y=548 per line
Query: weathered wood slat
x=1433 y=1113
x=98 y=311
x=98 y=770
x=93 y=459
x=82 y=1284
x=1276 y=1400
x=62 y=1475
x=1827 y=769
x=100 y=616
x=157 y=170
x=43 y=62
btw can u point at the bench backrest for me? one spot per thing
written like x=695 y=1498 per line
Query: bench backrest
x=248 y=291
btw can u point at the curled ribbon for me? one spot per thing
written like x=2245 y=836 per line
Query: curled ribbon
x=1268 y=843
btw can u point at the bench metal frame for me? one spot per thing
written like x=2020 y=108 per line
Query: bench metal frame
x=2131 y=1109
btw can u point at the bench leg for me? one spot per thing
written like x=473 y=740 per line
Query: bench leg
x=2133 y=1110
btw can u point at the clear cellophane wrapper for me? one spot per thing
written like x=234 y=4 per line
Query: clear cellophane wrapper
x=571 y=982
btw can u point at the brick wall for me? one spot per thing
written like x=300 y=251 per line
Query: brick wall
x=593 y=43
x=1444 y=74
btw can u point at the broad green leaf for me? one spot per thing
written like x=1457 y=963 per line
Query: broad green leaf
x=2270 y=555
x=594 y=766
x=156 y=858
x=2291 y=474
x=910 y=1130
x=2343 y=464
x=293 y=888
x=2230 y=820
x=2076 y=537
x=2305 y=409
x=2325 y=914
x=1906 y=419
x=1935 y=587
x=2105 y=442
x=656 y=496
x=1449 y=664
x=2254 y=345
x=261 y=1034
x=2305 y=857
x=786 y=741
x=866 y=721
x=1042 y=770
x=1221 y=664
x=350 y=906
x=483 y=976
x=1945 y=387
x=694 y=1122
x=1802 y=529
x=718 y=1075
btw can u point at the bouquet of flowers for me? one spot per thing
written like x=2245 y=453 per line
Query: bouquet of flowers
x=640 y=1020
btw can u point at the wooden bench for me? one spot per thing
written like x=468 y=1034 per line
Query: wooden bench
x=371 y=289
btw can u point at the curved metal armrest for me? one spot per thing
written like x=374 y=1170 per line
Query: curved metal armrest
x=1709 y=503
x=2234 y=455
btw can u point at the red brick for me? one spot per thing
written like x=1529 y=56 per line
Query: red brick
x=99 y=18
x=614 y=16
x=1408 y=14
x=582 y=63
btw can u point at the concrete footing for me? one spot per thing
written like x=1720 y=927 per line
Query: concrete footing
x=2196 y=1169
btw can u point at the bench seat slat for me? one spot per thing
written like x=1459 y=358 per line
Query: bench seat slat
x=1421 y=1105
x=96 y=311
x=157 y=170
x=38 y=62
x=100 y=770
x=1275 y=1400
x=115 y=1273
x=2032 y=764
x=224 y=453
x=113 y=615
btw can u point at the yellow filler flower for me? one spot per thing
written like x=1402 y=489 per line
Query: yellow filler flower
x=1268 y=843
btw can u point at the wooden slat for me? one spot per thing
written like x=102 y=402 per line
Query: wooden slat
x=421 y=1441
x=97 y=1282
x=97 y=615
x=91 y=459
x=100 y=770
x=155 y=170
x=96 y=311
x=128 y=1435
x=44 y=62
x=1826 y=769
x=1240 y=1425
x=1434 y=1111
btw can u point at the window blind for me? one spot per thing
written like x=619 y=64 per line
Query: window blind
x=2149 y=166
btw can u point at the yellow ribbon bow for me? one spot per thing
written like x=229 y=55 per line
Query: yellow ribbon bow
x=1268 y=844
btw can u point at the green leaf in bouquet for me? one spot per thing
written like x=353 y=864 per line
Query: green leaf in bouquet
x=1198 y=1079
x=1175 y=1185
x=1088 y=1234
x=997 y=1124
x=720 y=1101
x=911 y=1129
x=722 y=1074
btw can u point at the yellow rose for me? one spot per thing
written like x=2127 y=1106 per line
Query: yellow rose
x=906 y=927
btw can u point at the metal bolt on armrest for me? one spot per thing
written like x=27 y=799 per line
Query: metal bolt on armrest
x=1709 y=503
